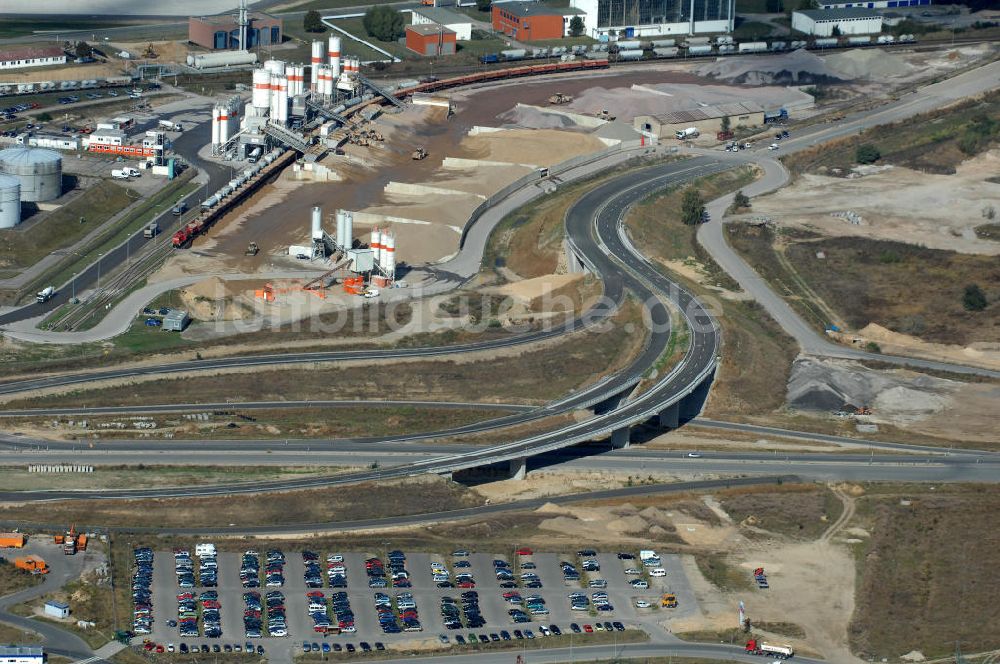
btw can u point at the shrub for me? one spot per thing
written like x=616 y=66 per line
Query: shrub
x=974 y=298
x=311 y=22
x=867 y=154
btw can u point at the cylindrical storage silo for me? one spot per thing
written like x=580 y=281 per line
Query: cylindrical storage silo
x=317 y=223
x=349 y=229
x=223 y=125
x=39 y=172
x=376 y=244
x=282 y=106
x=333 y=52
x=389 y=254
x=215 y=125
x=315 y=60
x=10 y=201
x=261 y=88
x=341 y=227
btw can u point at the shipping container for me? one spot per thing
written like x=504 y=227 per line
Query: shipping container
x=12 y=540
x=703 y=49
x=752 y=47
x=632 y=54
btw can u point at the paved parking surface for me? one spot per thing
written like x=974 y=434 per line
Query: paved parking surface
x=426 y=595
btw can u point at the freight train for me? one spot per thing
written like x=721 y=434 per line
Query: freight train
x=62 y=86
x=634 y=49
x=508 y=72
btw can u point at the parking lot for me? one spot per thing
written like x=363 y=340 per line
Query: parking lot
x=381 y=616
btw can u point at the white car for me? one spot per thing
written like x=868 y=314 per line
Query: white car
x=642 y=604
x=657 y=571
x=371 y=292
x=631 y=571
x=335 y=558
x=639 y=583
x=773 y=146
x=694 y=455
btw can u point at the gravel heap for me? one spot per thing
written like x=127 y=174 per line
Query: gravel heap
x=799 y=67
x=868 y=63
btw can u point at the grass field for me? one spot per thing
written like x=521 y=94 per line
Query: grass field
x=62 y=227
x=369 y=500
x=929 y=142
x=533 y=376
x=126 y=477
x=864 y=281
x=800 y=511
x=10 y=635
x=235 y=423
x=929 y=569
x=13 y=579
x=718 y=571
x=750 y=30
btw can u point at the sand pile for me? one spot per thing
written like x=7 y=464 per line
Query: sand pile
x=532 y=117
x=797 y=67
x=868 y=63
x=214 y=299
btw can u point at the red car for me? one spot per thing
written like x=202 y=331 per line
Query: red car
x=524 y=551
x=588 y=629
x=315 y=593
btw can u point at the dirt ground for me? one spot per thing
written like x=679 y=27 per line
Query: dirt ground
x=812 y=585
x=981 y=354
x=936 y=211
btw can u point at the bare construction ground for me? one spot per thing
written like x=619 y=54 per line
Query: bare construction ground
x=894 y=203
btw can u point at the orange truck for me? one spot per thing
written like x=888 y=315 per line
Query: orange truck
x=12 y=540
x=33 y=564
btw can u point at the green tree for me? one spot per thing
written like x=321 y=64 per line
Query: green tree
x=692 y=207
x=83 y=50
x=726 y=124
x=774 y=6
x=808 y=4
x=483 y=5
x=974 y=298
x=383 y=23
x=576 y=26
x=312 y=22
x=835 y=32
x=867 y=154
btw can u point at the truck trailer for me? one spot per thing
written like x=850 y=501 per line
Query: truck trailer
x=755 y=647
x=684 y=134
x=12 y=540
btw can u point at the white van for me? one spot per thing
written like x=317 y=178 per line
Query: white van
x=204 y=549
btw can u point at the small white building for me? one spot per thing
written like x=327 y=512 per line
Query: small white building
x=31 y=56
x=55 y=141
x=57 y=609
x=460 y=24
x=22 y=655
x=875 y=4
x=106 y=137
x=849 y=21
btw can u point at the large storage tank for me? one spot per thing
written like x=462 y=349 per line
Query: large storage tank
x=10 y=201
x=39 y=172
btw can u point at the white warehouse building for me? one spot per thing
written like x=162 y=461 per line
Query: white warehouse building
x=848 y=21
x=650 y=18
x=460 y=24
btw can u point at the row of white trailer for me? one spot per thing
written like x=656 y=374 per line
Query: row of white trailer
x=57 y=86
x=657 y=50
x=241 y=179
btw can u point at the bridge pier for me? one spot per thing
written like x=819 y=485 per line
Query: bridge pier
x=515 y=469
x=692 y=405
x=670 y=418
x=573 y=263
x=620 y=438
